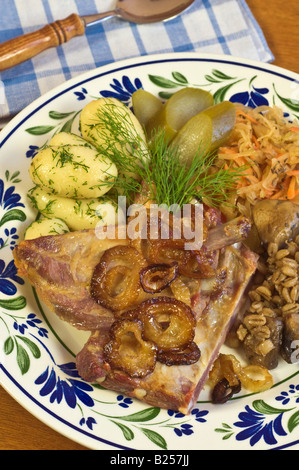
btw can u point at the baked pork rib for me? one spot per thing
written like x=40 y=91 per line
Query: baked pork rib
x=60 y=267
x=178 y=387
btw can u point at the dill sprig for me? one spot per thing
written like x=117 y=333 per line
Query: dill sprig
x=155 y=169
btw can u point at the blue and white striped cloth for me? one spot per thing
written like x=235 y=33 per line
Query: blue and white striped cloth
x=208 y=26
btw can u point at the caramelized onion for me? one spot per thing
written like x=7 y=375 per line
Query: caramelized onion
x=223 y=391
x=164 y=251
x=167 y=322
x=197 y=264
x=115 y=281
x=157 y=277
x=128 y=351
x=187 y=356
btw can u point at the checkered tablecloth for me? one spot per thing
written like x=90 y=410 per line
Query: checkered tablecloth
x=208 y=26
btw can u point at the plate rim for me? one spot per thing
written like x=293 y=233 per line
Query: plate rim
x=18 y=120
x=101 y=71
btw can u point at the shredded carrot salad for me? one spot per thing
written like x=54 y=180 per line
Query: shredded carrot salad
x=268 y=144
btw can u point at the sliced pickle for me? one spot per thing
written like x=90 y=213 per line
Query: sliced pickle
x=224 y=119
x=179 y=109
x=206 y=131
x=145 y=105
x=195 y=136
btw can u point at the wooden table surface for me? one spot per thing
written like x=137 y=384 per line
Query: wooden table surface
x=19 y=430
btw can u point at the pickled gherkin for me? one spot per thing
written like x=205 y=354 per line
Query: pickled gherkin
x=178 y=110
x=145 y=106
x=206 y=131
x=224 y=118
x=195 y=136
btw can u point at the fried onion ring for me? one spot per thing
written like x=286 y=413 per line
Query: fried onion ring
x=256 y=378
x=223 y=391
x=115 y=281
x=189 y=355
x=128 y=351
x=157 y=277
x=167 y=322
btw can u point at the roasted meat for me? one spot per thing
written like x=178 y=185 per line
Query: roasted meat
x=61 y=268
x=178 y=387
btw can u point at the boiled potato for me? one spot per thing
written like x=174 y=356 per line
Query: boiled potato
x=68 y=138
x=45 y=226
x=74 y=170
x=78 y=214
x=111 y=127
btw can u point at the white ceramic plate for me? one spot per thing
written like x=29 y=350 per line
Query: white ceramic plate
x=38 y=351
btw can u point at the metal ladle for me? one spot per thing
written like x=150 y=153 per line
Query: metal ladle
x=22 y=48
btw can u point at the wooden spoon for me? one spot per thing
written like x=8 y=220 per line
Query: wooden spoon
x=22 y=48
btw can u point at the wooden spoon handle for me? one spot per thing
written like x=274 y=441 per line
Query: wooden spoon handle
x=22 y=48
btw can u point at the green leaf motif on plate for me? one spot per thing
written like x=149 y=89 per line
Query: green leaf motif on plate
x=180 y=78
x=31 y=346
x=162 y=81
x=9 y=345
x=155 y=438
x=13 y=214
x=23 y=359
x=293 y=421
x=261 y=407
x=289 y=102
x=226 y=430
x=142 y=416
x=58 y=115
x=13 y=304
x=220 y=94
x=127 y=432
x=40 y=130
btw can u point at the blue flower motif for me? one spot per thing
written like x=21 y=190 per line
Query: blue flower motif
x=256 y=427
x=8 y=199
x=184 y=429
x=122 y=91
x=124 y=402
x=81 y=95
x=70 y=389
x=21 y=328
x=199 y=415
x=34 y=321
x=8 y=274
x=176 y=414
x=89 y=422
x=285 y=397
x=33 y=150
x=253 y=98
x=12 y=236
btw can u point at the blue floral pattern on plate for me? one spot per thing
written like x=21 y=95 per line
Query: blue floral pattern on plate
x=31 y=343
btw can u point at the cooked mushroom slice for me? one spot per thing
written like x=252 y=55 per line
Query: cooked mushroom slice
x=276 y=221
x=290 y=342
